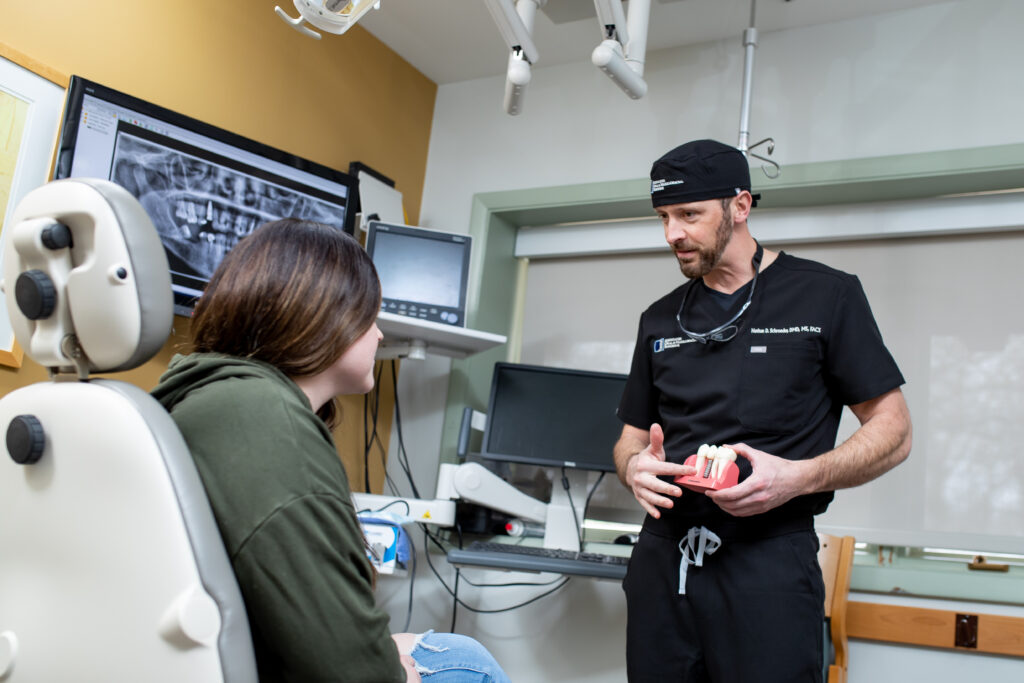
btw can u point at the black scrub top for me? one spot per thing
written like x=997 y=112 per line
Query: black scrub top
x=807 y=345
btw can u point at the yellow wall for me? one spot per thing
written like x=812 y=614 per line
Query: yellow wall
x=234 y=64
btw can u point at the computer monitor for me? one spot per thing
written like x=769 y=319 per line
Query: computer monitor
x=203 y=187
x=555 y=417
x=423 y=273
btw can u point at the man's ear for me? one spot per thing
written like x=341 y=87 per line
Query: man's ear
x=741 y=205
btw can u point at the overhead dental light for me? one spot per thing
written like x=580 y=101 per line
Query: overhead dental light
x=515 y=22
x=620 y=55
x=333 y=16
x=622 y=52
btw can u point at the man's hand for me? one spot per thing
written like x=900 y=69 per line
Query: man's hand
x=642 y=472
x=774 y=481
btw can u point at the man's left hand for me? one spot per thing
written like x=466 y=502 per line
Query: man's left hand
x=772 y=482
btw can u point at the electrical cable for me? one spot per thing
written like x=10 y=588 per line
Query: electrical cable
x=590 y=495
x=511 y=584
x=572 y=506
x=412 y=583
x=403 y=456
x=476 y=610
x=370 y=436
x=408 y=510
x=458 y=575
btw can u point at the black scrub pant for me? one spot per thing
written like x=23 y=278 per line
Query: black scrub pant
x=753 y=613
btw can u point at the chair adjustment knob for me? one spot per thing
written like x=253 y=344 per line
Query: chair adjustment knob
x=57 y=236
x=26 y=439
x=35 y=294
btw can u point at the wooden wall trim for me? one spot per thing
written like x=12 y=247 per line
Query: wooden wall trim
x=996 y=634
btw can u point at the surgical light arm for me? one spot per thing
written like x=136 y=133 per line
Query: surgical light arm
x=515 y=22
x=622 y=53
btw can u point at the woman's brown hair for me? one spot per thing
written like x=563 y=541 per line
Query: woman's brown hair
x=295 y=294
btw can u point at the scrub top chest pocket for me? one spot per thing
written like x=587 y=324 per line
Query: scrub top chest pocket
x=778 y=385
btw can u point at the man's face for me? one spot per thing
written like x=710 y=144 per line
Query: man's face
x=698 y=233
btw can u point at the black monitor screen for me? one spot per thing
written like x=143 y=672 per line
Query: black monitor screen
x=553 y=416
x=423 y=273
x=203 y=187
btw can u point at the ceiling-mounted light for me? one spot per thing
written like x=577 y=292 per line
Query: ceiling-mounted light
x=515 y=22
x=333 y=16
x=622 y=52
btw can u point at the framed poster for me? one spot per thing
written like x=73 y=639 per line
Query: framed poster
x=31 y=101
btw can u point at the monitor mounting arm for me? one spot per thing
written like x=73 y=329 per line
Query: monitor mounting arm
x=474 y=483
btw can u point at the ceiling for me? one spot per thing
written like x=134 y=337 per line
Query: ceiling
x=457 y=40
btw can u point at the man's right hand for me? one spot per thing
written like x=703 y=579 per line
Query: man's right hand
x=643 y=470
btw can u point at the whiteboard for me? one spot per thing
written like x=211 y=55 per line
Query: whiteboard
x=950 y=309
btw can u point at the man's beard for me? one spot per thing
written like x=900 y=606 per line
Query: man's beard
x=708 y=257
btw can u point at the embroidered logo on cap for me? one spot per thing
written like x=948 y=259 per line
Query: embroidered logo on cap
x=659 y=185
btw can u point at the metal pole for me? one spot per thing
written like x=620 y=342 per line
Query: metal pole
x=749 y=46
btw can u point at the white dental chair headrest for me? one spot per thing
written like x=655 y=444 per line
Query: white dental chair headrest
x=86 y=279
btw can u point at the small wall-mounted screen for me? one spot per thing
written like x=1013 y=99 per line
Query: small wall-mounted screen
x=423 y=273
x=203 y=187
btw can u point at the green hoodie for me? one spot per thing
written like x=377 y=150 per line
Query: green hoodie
x=283 y=505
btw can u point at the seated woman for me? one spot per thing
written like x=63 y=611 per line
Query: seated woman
x=286 y=324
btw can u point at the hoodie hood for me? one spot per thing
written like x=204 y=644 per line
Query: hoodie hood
x=194 y=371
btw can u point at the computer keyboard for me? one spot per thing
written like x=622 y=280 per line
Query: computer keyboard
x=537 y=559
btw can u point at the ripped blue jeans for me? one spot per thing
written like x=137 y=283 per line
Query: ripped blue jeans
x=452 y=658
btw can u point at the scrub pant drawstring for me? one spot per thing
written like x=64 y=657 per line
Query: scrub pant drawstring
x=698 y=542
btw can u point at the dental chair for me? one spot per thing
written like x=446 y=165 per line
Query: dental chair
x=111 y=564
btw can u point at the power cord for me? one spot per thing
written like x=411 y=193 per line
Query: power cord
x=561 y=583
x=369 y=437
x=572 y=506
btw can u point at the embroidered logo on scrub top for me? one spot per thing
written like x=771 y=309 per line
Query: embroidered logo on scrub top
x=664 y=343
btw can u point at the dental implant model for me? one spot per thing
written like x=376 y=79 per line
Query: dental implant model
x=716 y=469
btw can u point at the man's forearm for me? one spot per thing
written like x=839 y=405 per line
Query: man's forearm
x=882 y=442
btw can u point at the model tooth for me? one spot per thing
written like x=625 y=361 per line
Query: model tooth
x=702 y=456
x=725 y=456
x=716 y=466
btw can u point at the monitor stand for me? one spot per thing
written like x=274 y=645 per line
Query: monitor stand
x=564 y=523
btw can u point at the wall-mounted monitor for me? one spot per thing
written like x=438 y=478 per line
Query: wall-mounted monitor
x=423 y=273
x=553 y=416
x=204 y=187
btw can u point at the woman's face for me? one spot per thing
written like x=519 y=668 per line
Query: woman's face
x=353 y=371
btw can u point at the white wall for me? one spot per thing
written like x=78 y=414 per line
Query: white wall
x=940 y=77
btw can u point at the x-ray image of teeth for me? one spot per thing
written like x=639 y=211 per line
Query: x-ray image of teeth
x=202 y=206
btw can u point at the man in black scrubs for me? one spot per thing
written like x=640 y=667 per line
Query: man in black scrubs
x=760 y=351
